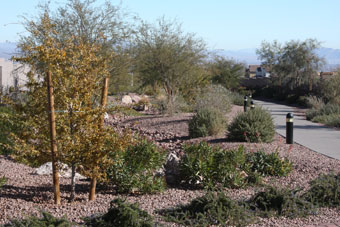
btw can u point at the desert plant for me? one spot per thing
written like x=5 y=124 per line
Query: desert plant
x=280 y=202
x=47 y=220
x=214 y=97
x=207 y=166
x=206 y=122
x=133 y=169
x=122 y=214
x=210 y=209
x=325 y=190
x=268 y=164
x=253 y=126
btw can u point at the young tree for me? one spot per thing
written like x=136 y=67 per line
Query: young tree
x=165 y=55
x=77 y=69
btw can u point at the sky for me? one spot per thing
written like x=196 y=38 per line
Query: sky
x=223 y=24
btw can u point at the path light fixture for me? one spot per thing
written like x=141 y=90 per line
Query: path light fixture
x=289 y=128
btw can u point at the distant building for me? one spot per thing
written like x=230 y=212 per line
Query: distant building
x=257 y=71
x=327 y=75
x=12 y=75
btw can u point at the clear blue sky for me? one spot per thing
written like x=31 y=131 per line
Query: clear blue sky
x=223 y=24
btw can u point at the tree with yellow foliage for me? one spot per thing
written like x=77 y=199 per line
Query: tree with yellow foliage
x=78 y=71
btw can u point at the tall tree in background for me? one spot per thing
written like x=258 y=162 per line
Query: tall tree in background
x=227 y=72
x=165 y=55
x=294 y=65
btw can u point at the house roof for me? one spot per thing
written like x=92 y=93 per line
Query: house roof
x=252 y=68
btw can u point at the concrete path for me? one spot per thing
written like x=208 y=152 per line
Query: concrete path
x=315 y=136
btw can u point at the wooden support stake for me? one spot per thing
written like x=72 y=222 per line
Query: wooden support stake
x=101 y=126
x=53 y=135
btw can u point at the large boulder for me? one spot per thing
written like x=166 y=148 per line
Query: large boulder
x=65 y=171
x=135 y=98
x=172 y=169
x=126 y=99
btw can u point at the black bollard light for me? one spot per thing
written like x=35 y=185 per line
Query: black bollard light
x=245 y=104
x=289 y=128
x=252 y=105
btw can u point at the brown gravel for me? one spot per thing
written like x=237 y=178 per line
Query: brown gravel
x=26 y=193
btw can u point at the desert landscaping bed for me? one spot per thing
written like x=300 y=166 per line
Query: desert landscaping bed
x=26 y=193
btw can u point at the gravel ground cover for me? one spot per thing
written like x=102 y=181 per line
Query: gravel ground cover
x=26 y=193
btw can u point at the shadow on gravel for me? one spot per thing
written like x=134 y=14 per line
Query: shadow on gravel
x=168 y=140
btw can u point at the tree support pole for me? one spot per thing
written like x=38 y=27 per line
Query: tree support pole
x=53 y=135
x=101 y=126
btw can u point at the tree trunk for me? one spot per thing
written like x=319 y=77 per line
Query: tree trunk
x=53 y=135
x=103 y=104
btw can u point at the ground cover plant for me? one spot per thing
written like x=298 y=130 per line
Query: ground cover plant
x=325 y=190
x=132 y=170
x=280 y=202
x=206 y=122
x=210 y=209
x=122 y=214
x=252 y=126
x=47 y=220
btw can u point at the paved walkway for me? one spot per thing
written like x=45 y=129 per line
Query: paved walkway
x=317 y=137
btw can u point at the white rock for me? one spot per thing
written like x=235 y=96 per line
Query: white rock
x=126 y=99
x=135 y=98
x=65 y=171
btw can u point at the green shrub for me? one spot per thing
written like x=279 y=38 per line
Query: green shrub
x=281 y=202
x=210 y=209
x=47 y=220
x=253 y=126
x=122 y=214
x=205 y=166
x=325 y=190
x=133 y=169
x=214 y=97
x=269 y=164
x=206 y=122
x=236 y=98
x=8 y=125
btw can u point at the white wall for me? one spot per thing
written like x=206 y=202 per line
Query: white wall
x=11 y=71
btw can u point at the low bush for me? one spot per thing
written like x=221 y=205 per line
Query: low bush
x=269 y=164
x=47 y=220
x=205 y=166
x=133 y=169
x=206 y=122
x=210 y=209
x=325 y=190
x=328 y=114
x=122 y=214
x=280 y=202
x=214 y=97
x=252 y=126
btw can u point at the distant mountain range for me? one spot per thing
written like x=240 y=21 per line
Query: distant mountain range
x=7 y=50
x=248 y=56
